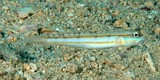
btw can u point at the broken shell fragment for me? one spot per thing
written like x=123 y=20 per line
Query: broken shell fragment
x=150 y=61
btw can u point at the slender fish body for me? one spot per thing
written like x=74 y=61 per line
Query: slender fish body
x=94 y=41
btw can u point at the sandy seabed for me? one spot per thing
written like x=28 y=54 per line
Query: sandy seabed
x=23 y=18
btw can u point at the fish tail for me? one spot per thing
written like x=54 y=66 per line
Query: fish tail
x=35 y=39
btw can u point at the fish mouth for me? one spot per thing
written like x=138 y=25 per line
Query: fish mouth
x=141 y=40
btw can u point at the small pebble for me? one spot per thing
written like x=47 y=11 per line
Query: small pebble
x=24 y=12
x=149 y=3
x=26 y=66
x=154 y=12
x=129 y=75
x=12 y=38
x=120 y=24
x=157 y=30
x=70 y=14
x=80 y=5
x=108 y=17
x=33 y=67
x=108 y=62
x=28 y=28
x=66 y=57
x=72 y=68
x=92 y=58
x=150 y=16
x=116 y=13
x=5 y=8
x=119 y=67
x=40 y=13
x=94 y=64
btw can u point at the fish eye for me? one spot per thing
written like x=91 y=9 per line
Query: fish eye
x=135 y=34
